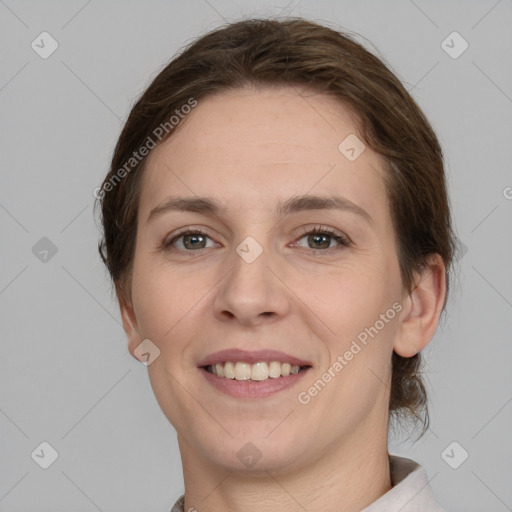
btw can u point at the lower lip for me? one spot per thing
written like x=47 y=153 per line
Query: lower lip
x=252 y=388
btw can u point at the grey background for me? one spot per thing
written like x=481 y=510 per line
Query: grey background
x=66 y=375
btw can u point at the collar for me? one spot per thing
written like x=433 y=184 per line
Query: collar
x=411 y=491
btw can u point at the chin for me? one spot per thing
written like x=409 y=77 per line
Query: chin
x=252 y=454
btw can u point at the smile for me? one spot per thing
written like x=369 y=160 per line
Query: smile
x=252 y=374
x=259 y=371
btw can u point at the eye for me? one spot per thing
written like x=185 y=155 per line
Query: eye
x=320 y=238
x=193 y=239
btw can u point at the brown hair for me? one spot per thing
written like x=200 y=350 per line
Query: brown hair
x=264 y=52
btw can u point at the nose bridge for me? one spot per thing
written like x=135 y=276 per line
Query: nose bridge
x=250 y=290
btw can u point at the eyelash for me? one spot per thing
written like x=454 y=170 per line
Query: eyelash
x=319 y=230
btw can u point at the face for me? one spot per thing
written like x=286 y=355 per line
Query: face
x=267 y=280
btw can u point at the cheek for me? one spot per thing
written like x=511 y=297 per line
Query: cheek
x=170 y=306
x=160 y=299
x=361 y=315
x=356 y=304
x=350 y=297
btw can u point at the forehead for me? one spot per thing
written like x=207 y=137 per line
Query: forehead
x=256 y=146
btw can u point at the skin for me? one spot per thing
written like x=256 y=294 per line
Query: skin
x=250 y=149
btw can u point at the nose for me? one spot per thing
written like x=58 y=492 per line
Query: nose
x=253 y=291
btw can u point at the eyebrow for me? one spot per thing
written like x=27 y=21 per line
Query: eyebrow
x=210 y=206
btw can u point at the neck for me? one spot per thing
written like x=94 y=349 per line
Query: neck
x=345 y=478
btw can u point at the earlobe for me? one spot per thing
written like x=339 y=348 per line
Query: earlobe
x=130 y=324
x=422 y=309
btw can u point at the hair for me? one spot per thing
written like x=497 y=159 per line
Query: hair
x=290 y=52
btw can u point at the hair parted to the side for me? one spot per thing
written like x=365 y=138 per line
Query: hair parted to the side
x=297 y=52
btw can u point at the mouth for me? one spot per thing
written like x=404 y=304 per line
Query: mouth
x=258 y=372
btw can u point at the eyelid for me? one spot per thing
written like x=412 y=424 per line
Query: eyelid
x=342 y=239
x=173 y=237
x=335 y=233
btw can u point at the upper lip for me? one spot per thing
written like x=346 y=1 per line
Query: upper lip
x=251 y=357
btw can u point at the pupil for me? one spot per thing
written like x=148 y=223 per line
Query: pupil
x=314 y=239
x=192 y=237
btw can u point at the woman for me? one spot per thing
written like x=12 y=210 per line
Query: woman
x=277 y=228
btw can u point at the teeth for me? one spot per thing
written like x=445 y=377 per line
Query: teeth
x=259 y=371
x=274 y=370
x=242 y=371
x=229 y=370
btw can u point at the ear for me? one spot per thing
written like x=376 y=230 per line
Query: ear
x=129 y=323
x=422 y=307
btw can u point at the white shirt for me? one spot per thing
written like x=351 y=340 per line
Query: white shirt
x=411 y=491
